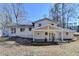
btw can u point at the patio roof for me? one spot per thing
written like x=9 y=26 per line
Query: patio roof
x=52 y=28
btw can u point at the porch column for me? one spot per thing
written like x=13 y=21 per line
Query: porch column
x=48 y=33
x=62 y=36
x=33 y=37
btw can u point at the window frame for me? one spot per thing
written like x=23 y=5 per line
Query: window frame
x=46 y=33
x=39 y=25
x=22 y=29
x=30 y=29
x=13 y=30
x=67 y=33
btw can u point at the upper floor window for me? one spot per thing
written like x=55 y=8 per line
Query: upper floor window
x=39 y=25
x=13 y=30
x=22 y=29
x=30 y=29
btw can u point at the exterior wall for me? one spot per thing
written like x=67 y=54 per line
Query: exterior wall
x=0 y=33
x=58 y=35
x=65 y=36
x=69 y=36
x=26 y=33
x=40 y=36
x=43 y=23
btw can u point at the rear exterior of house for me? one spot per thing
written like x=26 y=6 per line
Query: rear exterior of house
x=43 y=30
x=20 y=30
x=26 y=30
x=53 y=34
x=47 y=30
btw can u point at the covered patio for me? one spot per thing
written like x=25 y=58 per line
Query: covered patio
x=50 y=33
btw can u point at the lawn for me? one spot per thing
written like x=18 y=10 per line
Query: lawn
x=11 y=48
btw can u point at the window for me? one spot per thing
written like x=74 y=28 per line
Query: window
x=39 y=25
x=22 y=29
x=46 y=33
x=13 y=30
x=52 y=24
x=67 y=33
x=30 y=29
x=37 y=33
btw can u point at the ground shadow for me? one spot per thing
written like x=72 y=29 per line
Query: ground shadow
x=29 y=42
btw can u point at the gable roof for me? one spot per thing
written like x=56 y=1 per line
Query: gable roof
x=52 y=21
x=42 y=20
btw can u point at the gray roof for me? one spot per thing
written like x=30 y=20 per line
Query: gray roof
x=42 y=20
x=53 y=21
x=19 y=25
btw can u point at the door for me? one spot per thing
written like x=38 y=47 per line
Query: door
x=51 y=37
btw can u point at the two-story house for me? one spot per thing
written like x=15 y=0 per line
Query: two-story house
x=43 y=30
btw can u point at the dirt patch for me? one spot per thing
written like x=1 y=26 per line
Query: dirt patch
x=11 y=48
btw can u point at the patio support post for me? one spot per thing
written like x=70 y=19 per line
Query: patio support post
x=33 y=37
x=62 y=36
x=48 y=33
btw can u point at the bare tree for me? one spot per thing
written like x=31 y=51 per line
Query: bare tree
x=55 y=12
x=19 y=12
x=62 y=12
x=11 y=12
x=68 y=12
x=5 y=16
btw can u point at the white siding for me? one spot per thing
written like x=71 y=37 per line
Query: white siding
x=43 y=23
x=26 y=33
x=29 y=34
x=58 y=35
x=69 y=36
x=40 y=36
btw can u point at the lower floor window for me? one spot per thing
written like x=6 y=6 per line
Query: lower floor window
x=46 y=33
x=67 y=33
x=13 y=30
x=30 y=29
x=22 y=29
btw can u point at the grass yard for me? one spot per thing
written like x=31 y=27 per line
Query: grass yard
x=11 y=48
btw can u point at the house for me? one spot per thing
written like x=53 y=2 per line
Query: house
x=41 y=30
